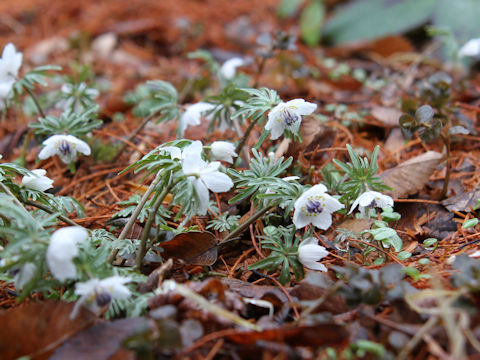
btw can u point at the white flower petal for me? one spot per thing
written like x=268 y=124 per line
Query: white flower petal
x=301 y=106
x=39 y=182
x=62 y=249
x=80 y=145
x=175 y=152
x=470 y=49
x=372 y=198
x=202 y=196
x=315 y=206
x=26 y=273
x=217 y=181
x=223 y=150
x=192 y=115
x=229 y=67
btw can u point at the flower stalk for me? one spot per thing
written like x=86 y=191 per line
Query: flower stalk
x=136 y=212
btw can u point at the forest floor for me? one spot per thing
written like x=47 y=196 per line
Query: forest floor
x=150 y=40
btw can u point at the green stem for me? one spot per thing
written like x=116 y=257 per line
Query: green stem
x=50 y=211
x=242 y=142
x=35 y=101
x=135 y=214
x=148 y=225
x=446 y=181
x=242 y=227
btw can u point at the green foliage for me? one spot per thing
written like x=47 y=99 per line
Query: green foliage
x=368 y=19
x=360 y=175
x=262 y=174
x=284 y=246
x=385 y=235
x=132 y=203
x=260 y=102
x=229 y=101
x=69 y=122
x=36 y=76
x=311 y=22
x=155 y=98
x=224 y=222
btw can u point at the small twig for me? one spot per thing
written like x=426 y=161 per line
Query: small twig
x=425 y=329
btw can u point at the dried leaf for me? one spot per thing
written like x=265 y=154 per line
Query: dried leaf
x=38 y=328
x=387 y=115
x=462 y=202
x=101 y=341
x=356 y=225
x=410 y=176
x=197 y=248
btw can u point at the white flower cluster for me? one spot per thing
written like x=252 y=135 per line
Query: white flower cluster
x=202 y=174
x=9 y=66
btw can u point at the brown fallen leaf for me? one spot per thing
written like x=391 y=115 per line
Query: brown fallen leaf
x=410 y=176
x=36 y=329
x=356 y=225
x=196 y=248
x=101 y=341
x=462 y=202
x=387 y=115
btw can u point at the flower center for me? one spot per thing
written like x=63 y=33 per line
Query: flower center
x=314 y=207
x=103 y=298
x=64 y=148
x=289 y=116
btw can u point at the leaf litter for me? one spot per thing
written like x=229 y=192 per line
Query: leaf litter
x=363 y=305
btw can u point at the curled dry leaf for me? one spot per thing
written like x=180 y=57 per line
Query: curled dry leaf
x=196 y=248
x=387 y=115
x=410 y=176
x=462 y=202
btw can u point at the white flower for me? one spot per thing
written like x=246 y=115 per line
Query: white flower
x=203 y=175
x=96 y=294
x=175 y=152
x=26 y=273
x=65 y=146
x=288 y=116
x=62 y=249
x=39 y=182
x=470 y=49
x=309 y=252
x=223 y=150
x=9 y=65
x=229 y=67
x=371 y=199
x=193 y=114
x=315 y=206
